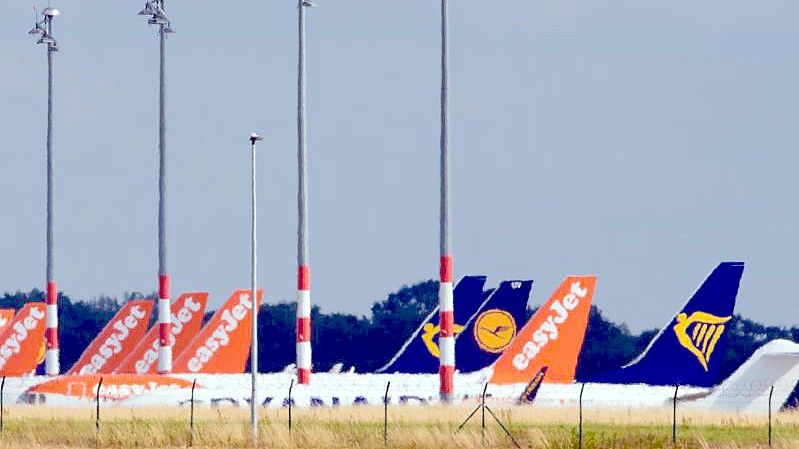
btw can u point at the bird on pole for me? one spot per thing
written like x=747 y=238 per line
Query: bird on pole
x=303 y=260
x=155 y=10
x=43 y=29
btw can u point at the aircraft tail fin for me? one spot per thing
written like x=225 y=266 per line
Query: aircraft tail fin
x=21 y=341
x=493 y=327
x=552 y=337
x=6 y=316
x=116 y=339
x=531 y=391
x=419 y=354
x=187 y=316
x=690 y=348
x=222 y=346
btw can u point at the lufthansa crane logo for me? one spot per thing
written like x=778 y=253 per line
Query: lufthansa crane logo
x=494 y=329
x=699 y=334
x=429 y=334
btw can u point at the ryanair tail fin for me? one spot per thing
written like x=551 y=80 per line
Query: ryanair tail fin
x=419 y=354
x=552 y=337
x=116 y=340
x=21 y=341
x=223 y=345
x=187 y=316
x=690 y=348
x=492 y=329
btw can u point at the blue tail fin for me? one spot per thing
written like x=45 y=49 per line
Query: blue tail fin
x=419 y=354
x=689 y=350
x=494 y=326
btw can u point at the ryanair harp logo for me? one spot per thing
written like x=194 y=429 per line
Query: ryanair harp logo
x=494 y=329
x=699 y=334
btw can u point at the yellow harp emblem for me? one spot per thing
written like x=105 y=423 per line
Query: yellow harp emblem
x=699 y=334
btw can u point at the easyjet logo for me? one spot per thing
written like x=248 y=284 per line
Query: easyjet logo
x=549 y=329
x=231 y=318
x=119 y=391
x=179 y=320
x=113 y=344
x=20 y=331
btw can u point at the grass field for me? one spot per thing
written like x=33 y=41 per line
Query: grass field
x=33 y=427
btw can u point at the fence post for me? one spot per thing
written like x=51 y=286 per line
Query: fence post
x=2 y=408
x=97 y=411
x=385 y=416
x=674 y=417
x=580 y=406
x=290 y=402
x=483 y=412
x=771 y=393
x=191 y=418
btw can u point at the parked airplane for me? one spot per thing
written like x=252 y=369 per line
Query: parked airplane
x=485 y=326
x=327 y=388
x=21 y=340
x=187 y=315
x=116 y=340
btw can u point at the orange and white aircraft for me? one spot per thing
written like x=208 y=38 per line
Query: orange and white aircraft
x=116 y=340
x=6 y=315
x=556 y=330
x=187 y=316
x=21 y=341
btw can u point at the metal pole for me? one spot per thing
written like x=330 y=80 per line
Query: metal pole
x=191 y=417
x=290 y=403
x=2 y=405
x=254 y=322
x=304 y=268
x=164 y=315
x=97 y=415
x=385 y=415
x=51 y=355
x=446 y=339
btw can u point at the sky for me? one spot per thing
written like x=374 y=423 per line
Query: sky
x=640 y=141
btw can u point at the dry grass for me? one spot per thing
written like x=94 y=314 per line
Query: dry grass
x=33 y=427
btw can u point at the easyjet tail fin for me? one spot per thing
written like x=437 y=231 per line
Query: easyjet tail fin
x=690 y=347
x=21 y=341
x=223 y=345
x=552 y=337
x=116 y=340
x=187 y=316
x=6 y=316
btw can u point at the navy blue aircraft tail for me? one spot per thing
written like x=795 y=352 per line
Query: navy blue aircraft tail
x=494 y=326
x=690 y=348
x=419 y=354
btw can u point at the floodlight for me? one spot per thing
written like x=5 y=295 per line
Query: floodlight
x=168 y=29
x=147 y=11
x=46 y=39
x=50 y=12
x=255 y=137
x=36 y=30
x=308 y=3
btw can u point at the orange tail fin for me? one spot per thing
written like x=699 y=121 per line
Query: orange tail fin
x=21 y=340
x=6 y=315
x=187 y=316
x=552 y=337
x=116 y=340
x=222 y=346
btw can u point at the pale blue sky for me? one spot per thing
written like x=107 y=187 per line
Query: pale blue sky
x=641 y=141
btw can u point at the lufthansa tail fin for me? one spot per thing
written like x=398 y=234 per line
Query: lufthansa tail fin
x=222 y=346
x=493 y=327
x=116 y=340
x=21 y=341
x=690 y=348
x=552 y=337
x=187 y=316
x=419 y=354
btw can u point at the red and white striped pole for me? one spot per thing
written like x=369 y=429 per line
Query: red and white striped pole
x=304 y=324
x=304 y=268
x=51 y=355
x=446 y=338
x=164 y=325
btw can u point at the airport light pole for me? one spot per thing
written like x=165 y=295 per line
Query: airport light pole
x=446 y=338
x=304 y=267
x=254 y=322
x=44 y=30
x=154 y=9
